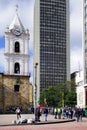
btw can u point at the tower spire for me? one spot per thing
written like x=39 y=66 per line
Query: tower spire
x=16 y=21
x=17 y=9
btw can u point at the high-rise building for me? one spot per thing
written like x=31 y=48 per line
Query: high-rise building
x=84 y=33
x=84 y=48
x=51 y=43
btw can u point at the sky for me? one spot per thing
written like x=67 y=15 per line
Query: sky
x=26 y=14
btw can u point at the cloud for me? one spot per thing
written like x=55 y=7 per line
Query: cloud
x=76 y=60
x=26 y=14
x=76 y=19
x=7 y=13
x=76 y=34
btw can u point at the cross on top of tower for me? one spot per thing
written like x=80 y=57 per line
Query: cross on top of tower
x=17 y=9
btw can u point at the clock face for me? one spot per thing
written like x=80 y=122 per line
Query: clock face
x=16 y=31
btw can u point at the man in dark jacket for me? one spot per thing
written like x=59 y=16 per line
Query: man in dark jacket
x=45 y=113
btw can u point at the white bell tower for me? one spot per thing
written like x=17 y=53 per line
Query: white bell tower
x=16 y=48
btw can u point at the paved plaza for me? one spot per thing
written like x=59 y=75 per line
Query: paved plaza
x=7 y=119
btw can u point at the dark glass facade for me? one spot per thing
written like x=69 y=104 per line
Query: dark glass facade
x=52 y=42
x=51 y=46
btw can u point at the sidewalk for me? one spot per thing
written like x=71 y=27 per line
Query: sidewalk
x=7 y=119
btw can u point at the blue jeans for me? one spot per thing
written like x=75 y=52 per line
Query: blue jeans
x=45 y=115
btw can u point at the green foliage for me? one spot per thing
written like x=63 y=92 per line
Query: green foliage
x=53 y=96
x=70 y=98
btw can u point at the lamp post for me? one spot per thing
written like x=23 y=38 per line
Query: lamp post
x=35 y=92
x=62 y=96
x=62 y=99
x=36 y=64
x=29 y=90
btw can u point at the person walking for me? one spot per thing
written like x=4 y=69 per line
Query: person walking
x=18 y=112
x=38 y=114
x=45 y=113
x=59 y=111
x=81 y=114
x=78 y=114
x=85 y=112
x=55 y=113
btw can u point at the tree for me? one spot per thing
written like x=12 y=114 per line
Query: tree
x=70 y=99
x=54 y=96
x=48 y=97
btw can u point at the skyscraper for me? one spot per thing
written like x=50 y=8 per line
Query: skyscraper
x=85 y=40
x=51 y=43
x=84 y=48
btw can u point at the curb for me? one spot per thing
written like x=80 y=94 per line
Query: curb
x=40 y=123
x=53 y=122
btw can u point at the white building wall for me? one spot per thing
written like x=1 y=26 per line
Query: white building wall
x=7 y=65
x=26 y=67
x=7 y=47
x=11 y=57
x=11 y=68
x=79 y=78
x=81 y=97
x=26 y=46
x=37 y=47
x=80 y=89
x=11 y=46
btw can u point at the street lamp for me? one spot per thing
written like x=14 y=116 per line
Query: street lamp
x=62 y=96
x=29 y=90
x=35 y=112
x=36 y=64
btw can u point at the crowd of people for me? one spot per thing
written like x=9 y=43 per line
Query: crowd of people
x=58 y=113
x=68 y=113
x=39 y=112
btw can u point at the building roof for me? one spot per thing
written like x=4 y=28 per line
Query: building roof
x=16 y=22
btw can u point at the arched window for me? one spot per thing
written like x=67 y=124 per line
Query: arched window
x=17 y=47
x=16 y=88
x=17 y=68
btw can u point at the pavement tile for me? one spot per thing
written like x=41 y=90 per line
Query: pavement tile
x=82 y=125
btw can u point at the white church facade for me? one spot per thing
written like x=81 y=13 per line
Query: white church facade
x=16 y=48
x=15 y=79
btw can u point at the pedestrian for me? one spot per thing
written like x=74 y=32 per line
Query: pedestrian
x=78 y=114
x=85 y=112
x=55 y=113
x=59 y=111
x=81 y=114
x=45 y=113
x=18 y=112
x=71 y=111
x=38 y=114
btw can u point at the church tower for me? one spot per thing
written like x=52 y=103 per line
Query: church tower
x=16 y=48
x=16 y=74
